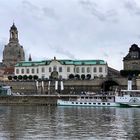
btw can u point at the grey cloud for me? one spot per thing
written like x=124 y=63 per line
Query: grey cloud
x=105 y=54
x=95 y=10
x=49 y=12
x=132 y=7
x=62 y=51
x=38 y=12
x=122 y=53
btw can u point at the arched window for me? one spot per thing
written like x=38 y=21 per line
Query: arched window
x=94 y=69
x=22 y=71
x=27 y=71
x=50 y=69
x=77 y=70
x=33 y=71
x=88 y=69
x=60 y=69
x=17 y=71
x=37 y=70
x=83 y=70
x=100 y=69
x=43 y=69
x=68 y=69
x=54 y=68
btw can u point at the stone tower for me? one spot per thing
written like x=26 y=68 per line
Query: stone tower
x=13 y=51
x=132 y=60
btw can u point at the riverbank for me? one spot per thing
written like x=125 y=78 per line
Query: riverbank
x=50 y=100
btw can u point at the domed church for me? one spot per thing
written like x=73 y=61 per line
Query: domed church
x=13 y=51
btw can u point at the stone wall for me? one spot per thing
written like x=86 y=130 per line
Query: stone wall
x=70 y=86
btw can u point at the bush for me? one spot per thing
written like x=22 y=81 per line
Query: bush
x=25 y=77
x=10 y=77
x=30 y=77
x=35 y=77
x=71 y=76
x=88 y=76
x=15 y=77
x=83 y=76
x=20 y=77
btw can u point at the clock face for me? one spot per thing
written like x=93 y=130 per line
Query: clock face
x=54 y=75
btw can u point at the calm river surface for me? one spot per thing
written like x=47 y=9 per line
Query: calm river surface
x=69 y=123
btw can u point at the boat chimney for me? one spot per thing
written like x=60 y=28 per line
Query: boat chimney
x=129 y=84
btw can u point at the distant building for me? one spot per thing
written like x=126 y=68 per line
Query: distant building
x=13 y=51
x=132 y=60
x=58 y=69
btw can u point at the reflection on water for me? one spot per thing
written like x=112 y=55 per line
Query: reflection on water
x=42 y=122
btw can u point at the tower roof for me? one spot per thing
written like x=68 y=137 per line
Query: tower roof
x=13 y=27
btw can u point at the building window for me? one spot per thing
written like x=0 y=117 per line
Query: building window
x=100 y=69
x=77 y=70
x=60 y=69
x=68 y=69
x=22 y=71
x=37 y=70
x=33 y=71
x=43 y=70
x=88 y=69
x=27 y=71
x=50 y=69
x=94 y=69
x=54 y=68
x=17 y=71
x=83 y=70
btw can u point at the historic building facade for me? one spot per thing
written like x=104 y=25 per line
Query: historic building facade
x=132 y=60
x=63 y=69
x=13 y=51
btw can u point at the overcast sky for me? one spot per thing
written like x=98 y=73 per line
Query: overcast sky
x=73 y=29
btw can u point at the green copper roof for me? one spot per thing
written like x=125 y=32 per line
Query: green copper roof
x=63 y=62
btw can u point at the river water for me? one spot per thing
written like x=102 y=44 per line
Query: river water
x=69 y=123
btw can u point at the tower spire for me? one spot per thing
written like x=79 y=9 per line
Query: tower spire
x=13 y=33
x=30 y=58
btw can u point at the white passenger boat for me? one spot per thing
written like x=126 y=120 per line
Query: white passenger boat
x=129 y=97
x=88 y=100
x=124 y=98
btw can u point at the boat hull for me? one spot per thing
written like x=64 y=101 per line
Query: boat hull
x=129 y=105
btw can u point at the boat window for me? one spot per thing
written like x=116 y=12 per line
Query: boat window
x=94 y=103
x=95 y=97
x=90 y=97
x=103 y=103
x=72 y=102
x=86 y=97
x=76 y=102
x=109 y=97
x=85 y=103
x=108 y=103
x=82 y=97
x=89 y=103
x=81 y=103
x=99 y=103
